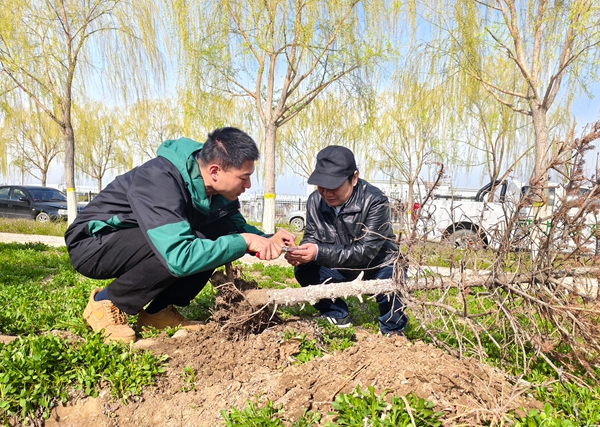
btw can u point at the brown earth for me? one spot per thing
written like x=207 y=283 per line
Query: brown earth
x=241 y=355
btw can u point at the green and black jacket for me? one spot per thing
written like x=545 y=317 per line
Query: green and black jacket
x=165 y=197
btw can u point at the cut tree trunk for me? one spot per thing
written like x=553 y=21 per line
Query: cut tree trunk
x=359 y=287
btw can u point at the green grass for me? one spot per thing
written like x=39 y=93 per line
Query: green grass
x=41 y=292
x=267 y=415
x=25 y=226
x=37 y=370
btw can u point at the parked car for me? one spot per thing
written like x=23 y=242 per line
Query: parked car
x=33 y=202
x=296 y=219
x=483 y=220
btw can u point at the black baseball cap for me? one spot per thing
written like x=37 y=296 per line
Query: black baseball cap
x=335 y=164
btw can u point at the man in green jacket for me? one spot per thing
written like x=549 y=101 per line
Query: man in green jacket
x=162 y=228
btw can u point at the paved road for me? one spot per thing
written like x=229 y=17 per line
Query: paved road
x=58 y=241
x=55 y=241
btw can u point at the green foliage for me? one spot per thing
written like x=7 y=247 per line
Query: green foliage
x=201 y=305
x=266 y=416
x=364 y=313
x=152 y=332
x=188 y=377
x=40 y=291
x=335 y=338
x=36 y=371
x=364 y=407
x=253 y=416
x=544 y=418
x=269 y=276
x=308 y=350
x=570 y=403
x=25 y=226
x=360 y=408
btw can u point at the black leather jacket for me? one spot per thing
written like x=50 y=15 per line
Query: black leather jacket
x=360 y=236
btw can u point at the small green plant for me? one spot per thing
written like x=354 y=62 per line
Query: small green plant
x=335 y=338
x=254 y=416
x=547 y=417
x=266 y=416
x=364 y=407
x=308 y=350
x=200 y=307
x=188 y=377
x=152 y=332
x=40 y=290
x=270 y=276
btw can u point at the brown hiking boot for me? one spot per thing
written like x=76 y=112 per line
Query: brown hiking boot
x=167 y=317
x=105 y=315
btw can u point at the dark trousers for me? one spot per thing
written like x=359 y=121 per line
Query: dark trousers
x=140 y=275
x=391 y=309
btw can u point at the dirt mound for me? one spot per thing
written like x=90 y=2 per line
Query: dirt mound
x=229 y=372
x=241 y=355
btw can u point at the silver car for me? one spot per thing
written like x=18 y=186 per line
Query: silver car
x=296 y=219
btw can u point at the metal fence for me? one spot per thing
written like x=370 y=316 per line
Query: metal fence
x=85 y=197
x=252 y=208
x=251 y=205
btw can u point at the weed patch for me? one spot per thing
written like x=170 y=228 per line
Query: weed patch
x=38 y=371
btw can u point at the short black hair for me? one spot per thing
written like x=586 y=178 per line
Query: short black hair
x=229 y=147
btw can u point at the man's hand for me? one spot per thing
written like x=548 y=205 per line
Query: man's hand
x=305 y=253
x=266 y=249
x=283 y=238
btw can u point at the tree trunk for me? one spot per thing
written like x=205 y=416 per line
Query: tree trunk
x=359 y=287
x=69 y=138
x=411 y=214
x=539 y=180
x=268 y=224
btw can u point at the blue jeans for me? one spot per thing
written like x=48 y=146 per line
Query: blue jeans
x=391 y=309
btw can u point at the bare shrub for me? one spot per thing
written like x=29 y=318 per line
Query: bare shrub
x=528 y=296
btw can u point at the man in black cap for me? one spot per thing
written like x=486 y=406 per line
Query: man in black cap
x=348 y=231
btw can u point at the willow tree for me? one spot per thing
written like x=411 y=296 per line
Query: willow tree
x=146 y=124
x=413 y=117
x=492 y=136
x=279 y=54
x=50 y=49
x=99 y=148
x=552 y=46
x=320 y=125
x=33 y=141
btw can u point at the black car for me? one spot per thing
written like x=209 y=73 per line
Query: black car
x=33 y=202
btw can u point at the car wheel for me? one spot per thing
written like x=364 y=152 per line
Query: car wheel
x=466 y=238
x=297 y=224
x=42 y=217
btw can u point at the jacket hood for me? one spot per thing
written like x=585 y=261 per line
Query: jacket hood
x=181 y=152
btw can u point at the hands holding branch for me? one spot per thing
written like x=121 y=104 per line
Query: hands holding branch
x=268 y=248
x=302 y=254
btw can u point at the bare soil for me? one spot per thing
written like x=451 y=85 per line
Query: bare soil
x=241 y=355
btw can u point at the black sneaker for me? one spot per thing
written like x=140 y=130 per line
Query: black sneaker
x=340 y=322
